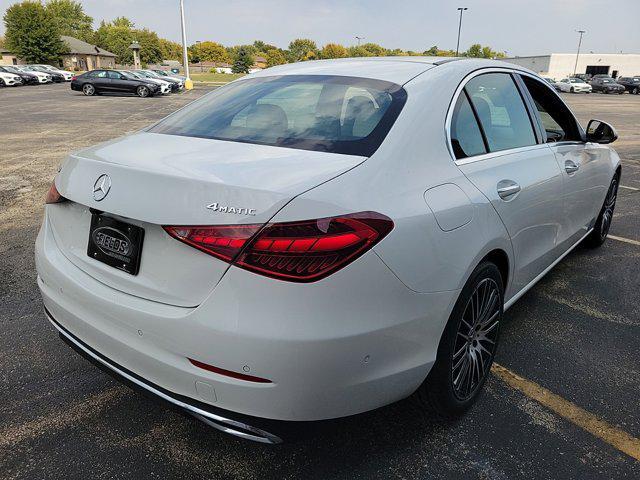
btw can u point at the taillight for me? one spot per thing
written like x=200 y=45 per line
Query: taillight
x=53 y=195
x=303 y=251
x=74 y=78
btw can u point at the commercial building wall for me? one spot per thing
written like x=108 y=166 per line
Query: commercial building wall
x=561 y=65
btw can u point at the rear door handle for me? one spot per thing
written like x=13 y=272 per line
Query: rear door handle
x=571 y=167
x=507 y=188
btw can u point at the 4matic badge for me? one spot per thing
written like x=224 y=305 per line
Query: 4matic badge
x=216 y=207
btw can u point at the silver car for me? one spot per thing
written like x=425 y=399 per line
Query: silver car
x=325 y=238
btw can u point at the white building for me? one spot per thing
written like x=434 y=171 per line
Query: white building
x=561 y=65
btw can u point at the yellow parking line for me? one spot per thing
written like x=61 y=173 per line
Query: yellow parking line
x=625 y=240
x=587 y=421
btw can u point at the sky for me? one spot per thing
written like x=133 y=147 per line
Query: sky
x=519 y=27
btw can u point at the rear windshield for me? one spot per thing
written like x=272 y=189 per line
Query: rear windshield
x=310 y=112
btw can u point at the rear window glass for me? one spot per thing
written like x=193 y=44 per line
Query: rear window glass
x=336 y=114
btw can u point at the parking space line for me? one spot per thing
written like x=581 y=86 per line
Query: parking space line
x=625 y=240
x=630 y=188
x=589 y=422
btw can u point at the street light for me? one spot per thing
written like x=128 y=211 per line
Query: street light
x=461 y=9
x=188 y=84
x=359 y=38
x=575 y=68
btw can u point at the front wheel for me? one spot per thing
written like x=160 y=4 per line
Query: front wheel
x=572 y=90
x=603 y=223
x=467 y=346
x=635 y=91
x=142 y=91
x=88 y=89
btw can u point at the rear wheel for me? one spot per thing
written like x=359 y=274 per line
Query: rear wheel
x=88 y=89
x=142 y=91
x=635 y=91
x=603 y=223
x=467 y=346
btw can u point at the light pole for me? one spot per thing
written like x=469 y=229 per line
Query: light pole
x=461 y=9
x=359 y=38
x=575 y=68
x=188 y=84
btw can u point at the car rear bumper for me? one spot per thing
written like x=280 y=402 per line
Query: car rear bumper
x=334 y=350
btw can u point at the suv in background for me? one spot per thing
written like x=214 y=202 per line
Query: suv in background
x=631 y=84
x=606 y=84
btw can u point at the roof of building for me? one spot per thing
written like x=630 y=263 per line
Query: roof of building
x=4 y=50
x=83 y=48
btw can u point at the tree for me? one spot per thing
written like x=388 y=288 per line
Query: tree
x=432 y=52
x=71 y=19
x=170 y=50
x=374 y=49
x=242 y=61
x=359 y=51
x=275 y=56
x=263 y=47
x=333 y=50
x=302 y=49
x=210 y=52
x=118 y=35
x=32 y=34
x=478 y=51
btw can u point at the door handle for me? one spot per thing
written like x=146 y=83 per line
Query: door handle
x=571 y=167
x=507 y=188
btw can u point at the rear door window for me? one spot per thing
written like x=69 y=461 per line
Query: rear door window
x=466 y=137
x=501 y=111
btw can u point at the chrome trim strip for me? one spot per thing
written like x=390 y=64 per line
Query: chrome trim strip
x=221 y=423
x=528 y=286
x=499 y=153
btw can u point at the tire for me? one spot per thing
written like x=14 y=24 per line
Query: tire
x=454 y=383
x=636 y=91
x=603 y=223
x=2 y=84
x=142 y=91
x=88 y=89
x=572 y=90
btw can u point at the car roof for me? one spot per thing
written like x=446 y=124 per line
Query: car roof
x=397 y=70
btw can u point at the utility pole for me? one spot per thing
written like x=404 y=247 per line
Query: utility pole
x=359 y=38
x=188 y=84
x=461 y=9
x=575 y=68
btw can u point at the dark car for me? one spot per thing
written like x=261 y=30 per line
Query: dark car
x=173 y=83
x=27 y=78
x=632 y=84
x=112 y=81
x=606 y=85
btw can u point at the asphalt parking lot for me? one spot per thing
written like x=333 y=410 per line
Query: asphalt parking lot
x=573 y=341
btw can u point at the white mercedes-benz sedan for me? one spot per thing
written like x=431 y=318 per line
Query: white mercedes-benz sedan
x=573 y=85
x=324 y=238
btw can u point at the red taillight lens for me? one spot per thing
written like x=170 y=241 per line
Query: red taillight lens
x=53 y=196
x=295 y=251
x=74 y=78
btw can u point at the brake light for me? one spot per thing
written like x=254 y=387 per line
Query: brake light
x=74 y=78
x=53 y=195
x=303 y=251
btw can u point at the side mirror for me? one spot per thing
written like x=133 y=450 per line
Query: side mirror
x=601 y=132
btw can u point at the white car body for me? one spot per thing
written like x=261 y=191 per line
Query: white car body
x=42 y=77
x=365 y=335
x=573 y=85
x=10 y=79
x=161 y=77
x=165 y=87
x=65 y=73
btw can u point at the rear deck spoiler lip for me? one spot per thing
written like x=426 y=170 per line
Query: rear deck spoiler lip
x=210 y=415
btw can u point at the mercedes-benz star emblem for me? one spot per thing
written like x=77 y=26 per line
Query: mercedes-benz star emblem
x=101 y=187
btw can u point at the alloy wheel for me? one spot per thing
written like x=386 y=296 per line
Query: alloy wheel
x=476 y=339
x=88 y=89
x=609 y=206
x=143 y=91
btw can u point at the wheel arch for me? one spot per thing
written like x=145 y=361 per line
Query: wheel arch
x=500 y=259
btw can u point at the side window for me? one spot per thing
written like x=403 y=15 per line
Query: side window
x=501 y=111
x=114 y=75
x=466 y=137
x=558 y=122
x=99 y=74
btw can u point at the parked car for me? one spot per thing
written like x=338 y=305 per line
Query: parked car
x=165 y=87
x=42 y=77
x=163 y=73
x=49 y=68
x=177 y=84
x=305 y=244
x=631 y=84
x=606 y=85
x=550 y=81
x=113 y=81
x=10 y=79
x=573 y=85
x=27 y=78
x=55 y=77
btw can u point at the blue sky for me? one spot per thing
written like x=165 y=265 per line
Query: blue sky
x=519 y=27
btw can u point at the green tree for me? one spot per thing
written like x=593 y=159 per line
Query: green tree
x=150 y=47
x=32 y=33
x=275 y=56
x=210 y=52
x=432 y=52
x=118 y=35
x=263 y=47
x=302 y=49
x=122 y=22
x=359 y=51
x=374 y=49
x=478 y=51
x=242 y=61
x=71 y=19
x=333 y=50
x=170 y=50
